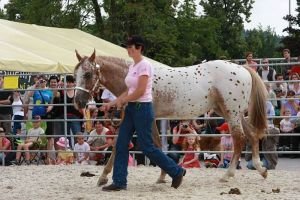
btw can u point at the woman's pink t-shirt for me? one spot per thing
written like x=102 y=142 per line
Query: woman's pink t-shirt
x=143 y=67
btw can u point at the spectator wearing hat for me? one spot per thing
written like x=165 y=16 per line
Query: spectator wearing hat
x=65 y=155
x=226 y=145
x=31 y=138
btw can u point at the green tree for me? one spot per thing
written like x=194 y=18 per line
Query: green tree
x=231 y=15
x=292 y=41
x=263 y=42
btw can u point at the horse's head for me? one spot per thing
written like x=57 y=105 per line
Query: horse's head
x=87 y=80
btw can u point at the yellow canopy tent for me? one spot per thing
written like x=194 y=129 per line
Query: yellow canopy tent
x=32 y=48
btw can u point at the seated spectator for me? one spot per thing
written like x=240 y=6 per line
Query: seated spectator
x=287 y=59
x=249 y=61
x=31 y=139
x=81 y=150
x=280 y=89
x=266 y=72
x=292 y=105
x=5 y=144
x=296 y=139
x=226 y=145
x=99 y=143
x=271 y=94
x=286 y=126
x=184 y=127
x=294 y=86
x=65 y=155
x=107 y=97
x=199 y=125
x=268 y=143
x=190 y=160
x=211 y=124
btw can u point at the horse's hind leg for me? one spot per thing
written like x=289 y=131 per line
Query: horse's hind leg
x=254 y=140
x=238 y=140
x=107 y=169
x=162 y=177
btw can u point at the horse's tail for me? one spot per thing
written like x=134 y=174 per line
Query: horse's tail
x=257 y=107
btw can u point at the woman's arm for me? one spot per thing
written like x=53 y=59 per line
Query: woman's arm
x=176 y=134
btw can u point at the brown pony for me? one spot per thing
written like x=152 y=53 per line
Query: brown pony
x=187 y=92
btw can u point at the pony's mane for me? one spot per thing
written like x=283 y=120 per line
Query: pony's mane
x=114 y=60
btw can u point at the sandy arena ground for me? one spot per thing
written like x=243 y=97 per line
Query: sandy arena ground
x=65 y=183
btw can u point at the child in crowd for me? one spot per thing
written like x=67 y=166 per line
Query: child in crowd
x=65 y=155
x=191 y=160
x=286 y=126
x=226 y=145
x=31 y=139
x=4 y=144
x=81 y=149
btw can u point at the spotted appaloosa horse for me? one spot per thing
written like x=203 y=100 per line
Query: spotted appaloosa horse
x=187 y=92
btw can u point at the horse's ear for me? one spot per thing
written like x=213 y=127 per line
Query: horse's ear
x=78 y=56
x=93 y=56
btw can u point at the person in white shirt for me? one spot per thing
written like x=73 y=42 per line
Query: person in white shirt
x=107 y=97
x=81 y=150
x=18 y=112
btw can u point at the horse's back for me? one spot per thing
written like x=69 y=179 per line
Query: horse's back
x=186 y=91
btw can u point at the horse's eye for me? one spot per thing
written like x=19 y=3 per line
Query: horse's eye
x=87 y=75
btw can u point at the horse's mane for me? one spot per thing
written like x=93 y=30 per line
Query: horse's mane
x=114 y=60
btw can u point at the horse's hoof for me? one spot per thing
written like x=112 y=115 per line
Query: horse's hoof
x=264 y=173
x=102 y=181
x=161 y=181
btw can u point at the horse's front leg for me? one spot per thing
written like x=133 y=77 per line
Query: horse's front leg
x=107 y=169
x=238 y=141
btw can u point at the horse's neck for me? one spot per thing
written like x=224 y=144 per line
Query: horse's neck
x=113 y=74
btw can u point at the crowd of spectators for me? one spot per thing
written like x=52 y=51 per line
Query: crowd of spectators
x=87 y=137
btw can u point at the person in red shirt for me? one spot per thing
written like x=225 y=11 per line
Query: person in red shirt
x=249 y=61
x=5 y=144
x=184 y=127
x=191 y=160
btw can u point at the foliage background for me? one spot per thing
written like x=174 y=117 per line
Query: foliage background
x=175 y=34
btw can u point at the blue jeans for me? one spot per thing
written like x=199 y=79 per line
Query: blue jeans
x=17 y=125
x=75 y=127
x=139 y=118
